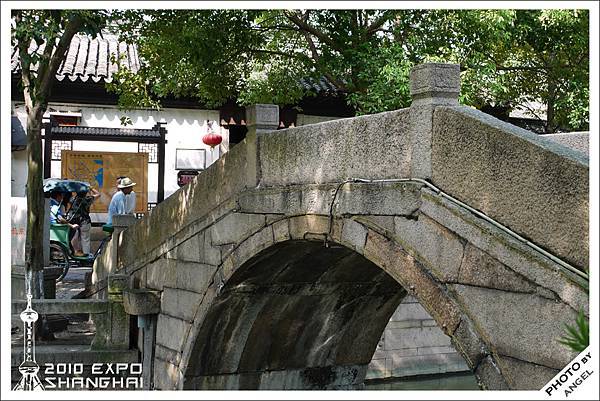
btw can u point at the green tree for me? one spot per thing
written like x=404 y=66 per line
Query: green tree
x=509 y=58
x=515 y=58
x=257 y=56
x=43 y=38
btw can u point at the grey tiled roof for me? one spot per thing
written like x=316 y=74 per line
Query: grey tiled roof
x=99 y=131
x=89 y=59
x=322 y=85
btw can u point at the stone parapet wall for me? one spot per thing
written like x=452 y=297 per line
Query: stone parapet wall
x=306 y=119
x=579 y=141
x=373 y=146
x=536 y=187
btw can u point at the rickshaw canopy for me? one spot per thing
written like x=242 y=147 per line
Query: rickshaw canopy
x=60 y=185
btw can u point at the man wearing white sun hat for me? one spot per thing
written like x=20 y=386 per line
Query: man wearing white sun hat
x=119 y=204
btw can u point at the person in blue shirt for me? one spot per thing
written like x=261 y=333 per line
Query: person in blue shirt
x=57 y=216
x=118 y=203
x=56 y=207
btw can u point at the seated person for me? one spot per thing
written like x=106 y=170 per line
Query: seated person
x=57 y=216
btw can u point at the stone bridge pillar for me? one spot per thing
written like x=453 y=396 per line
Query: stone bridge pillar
x=431 y=85
x=107 y=261
x=112 y=328
x=262 y=118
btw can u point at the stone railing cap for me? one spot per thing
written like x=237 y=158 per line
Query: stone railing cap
x=435 y=78
x=263 y=116
x=141 y=301
x=123 y=220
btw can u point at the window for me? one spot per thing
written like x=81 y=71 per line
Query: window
x=63 y=118
x=190 y=159
x=66 y=121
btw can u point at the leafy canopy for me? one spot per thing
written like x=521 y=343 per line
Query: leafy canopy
x=508 y=58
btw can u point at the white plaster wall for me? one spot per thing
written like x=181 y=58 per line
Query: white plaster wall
x=18 y=165
x=18 y=229
x=185 y=128
x=18 y=168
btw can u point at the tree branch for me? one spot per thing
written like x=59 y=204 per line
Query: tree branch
x=44 y=63
x=378 y=23
x=355 y=20
x=305 y=26
x=312 y=47
x=271 y=18
x=518 y=68
x=316 y=57
x=25 y=64
x=72 y=27
x=340 y=85
x=275 y=28
x=531 y=110
x=306 y=15
x=273 y=52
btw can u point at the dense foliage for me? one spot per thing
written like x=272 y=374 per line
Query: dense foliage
x=508 y=58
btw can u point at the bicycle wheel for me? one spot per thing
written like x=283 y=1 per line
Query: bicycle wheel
x=59 y=258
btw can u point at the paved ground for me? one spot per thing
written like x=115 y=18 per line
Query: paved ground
x=73 y=283
x=79 y=329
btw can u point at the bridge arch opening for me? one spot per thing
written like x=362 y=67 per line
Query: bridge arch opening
x=298 y=315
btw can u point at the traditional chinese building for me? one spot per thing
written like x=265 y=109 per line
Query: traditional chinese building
x=83 y=116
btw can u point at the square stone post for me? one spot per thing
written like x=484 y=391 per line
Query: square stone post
x=120 y=224
x=431 y=85
x=262 y=118
x=108 y=259
x=112 y=327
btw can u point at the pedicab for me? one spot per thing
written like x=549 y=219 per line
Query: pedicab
x=62 y=254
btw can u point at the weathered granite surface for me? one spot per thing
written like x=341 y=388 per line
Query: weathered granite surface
x=532 y=185
x=262 y=288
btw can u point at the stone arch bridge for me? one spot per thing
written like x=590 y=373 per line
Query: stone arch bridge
x=280 y=265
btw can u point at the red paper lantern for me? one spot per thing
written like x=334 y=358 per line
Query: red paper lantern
x=212 y=139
